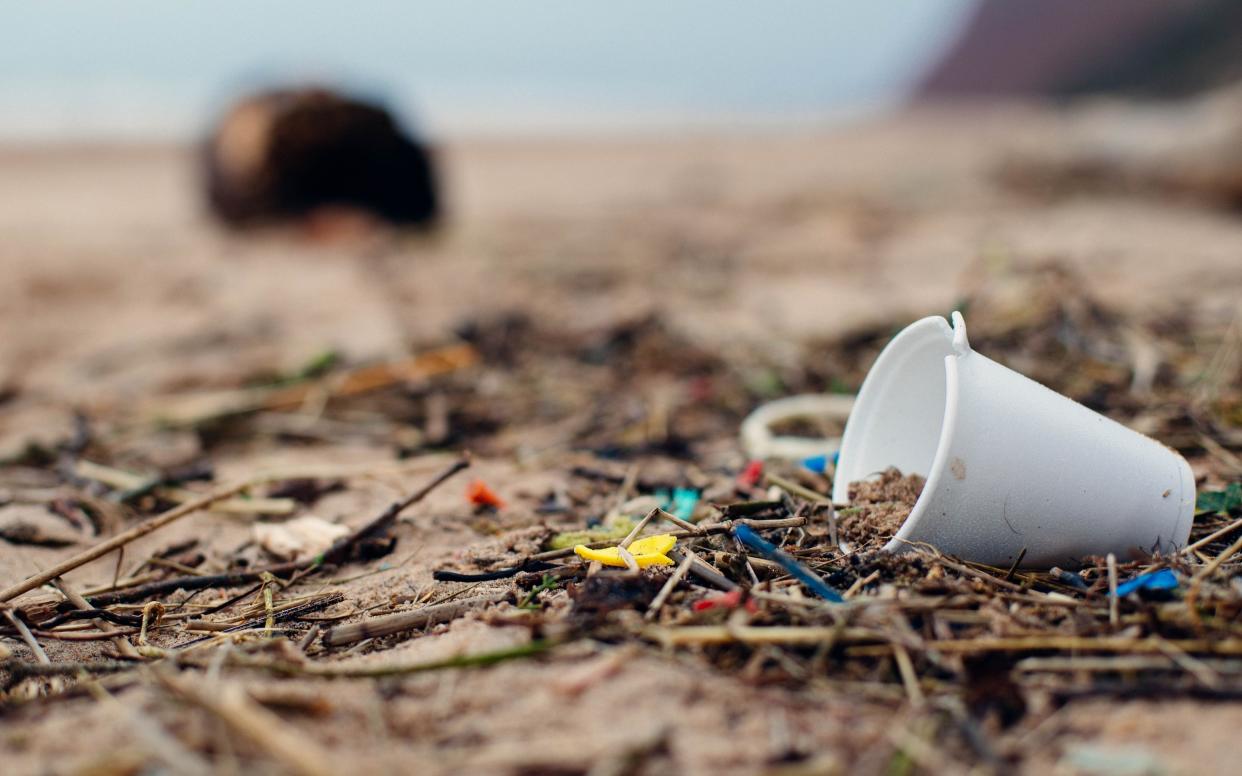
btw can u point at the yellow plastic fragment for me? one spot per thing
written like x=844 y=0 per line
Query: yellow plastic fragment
x=649 y=551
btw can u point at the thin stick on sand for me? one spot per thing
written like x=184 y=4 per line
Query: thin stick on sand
x=1192 y=595
x=403 y=621
x=190 y=507
x=74 y=597
x=27 y=637
x=120 y=540
x=633 y=534
x=671 y=584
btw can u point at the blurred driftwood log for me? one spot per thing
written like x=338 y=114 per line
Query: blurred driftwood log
x=289 y=154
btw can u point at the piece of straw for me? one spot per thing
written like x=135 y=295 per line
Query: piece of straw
x=799 y=572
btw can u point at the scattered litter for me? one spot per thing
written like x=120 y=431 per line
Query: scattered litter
x=648 y=551
x=922 y=628
x=683 y=503
x=298 y=538
x=479 y=494
x=770 y=551
x=759 y=441
x=751 y=475
x=816 y=463
x=1164 y=579
x=1062 y=442
x=1068 y=578
x=730 y=600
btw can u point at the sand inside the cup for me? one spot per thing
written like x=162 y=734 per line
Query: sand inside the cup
x=879 y=506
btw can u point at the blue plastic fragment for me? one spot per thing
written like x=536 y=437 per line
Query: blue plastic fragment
x=1069 y=578
x=799 y=572
x=836 y=457
x=684 y=502
x=816 y=463
x=1164 y=579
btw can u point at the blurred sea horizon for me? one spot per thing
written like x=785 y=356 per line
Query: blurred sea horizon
x=141 y=70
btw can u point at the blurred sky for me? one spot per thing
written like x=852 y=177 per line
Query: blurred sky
x=161 y=69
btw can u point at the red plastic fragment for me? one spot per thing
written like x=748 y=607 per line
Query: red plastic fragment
x=480 y=495
x=729 y=600
x=751 y=475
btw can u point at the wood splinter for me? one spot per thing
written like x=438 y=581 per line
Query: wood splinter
x=403 y=621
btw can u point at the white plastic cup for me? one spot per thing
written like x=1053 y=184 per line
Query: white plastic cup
x=1010 y=464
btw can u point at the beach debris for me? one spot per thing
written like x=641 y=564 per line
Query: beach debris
x=818 y=463
x=751 y=475
x=759 y=441
x=683 y=503
x=479 y=494
x=1115 y=488
x=298 y=538
x=338 y=552
x=387 y=625
x=747 y=536
x=730 y=600
x=302 y=152
x=1162 y=580
x=923 y=634
x=1068 y=578
x=648 y=551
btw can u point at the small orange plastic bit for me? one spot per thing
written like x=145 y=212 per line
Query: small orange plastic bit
x=479 y=494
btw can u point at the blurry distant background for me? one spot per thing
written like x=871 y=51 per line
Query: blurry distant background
x=148 y=69
x=744 y=176
x=740 y=172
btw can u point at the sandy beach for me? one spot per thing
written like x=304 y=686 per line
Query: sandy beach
x=120 y=294
x=110 y=259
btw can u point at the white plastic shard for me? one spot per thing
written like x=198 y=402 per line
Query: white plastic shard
x=298 y=538
x=1010 y=464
